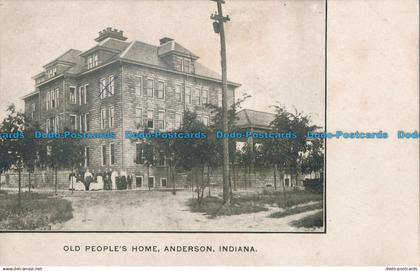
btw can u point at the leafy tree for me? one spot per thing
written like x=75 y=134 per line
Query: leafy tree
x=217 y=125
x=194 y=153
x=313 y=162
x=12 y=150
x=61 y=153
x=288 y=155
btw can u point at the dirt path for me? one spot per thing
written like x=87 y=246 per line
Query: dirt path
x=160 y=211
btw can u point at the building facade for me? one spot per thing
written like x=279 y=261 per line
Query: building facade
x=117 y=86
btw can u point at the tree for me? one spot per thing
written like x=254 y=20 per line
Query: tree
x=287 y=155
x=194 y=154
x=61 y=153
x=31 y=147
x=217 y=125
x=12 y=147
x=313 y=162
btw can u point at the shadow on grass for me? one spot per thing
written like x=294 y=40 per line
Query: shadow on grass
x=241 y=204
x=33 y=212
x=297 y=210
x=310 y=221
x=213 y=207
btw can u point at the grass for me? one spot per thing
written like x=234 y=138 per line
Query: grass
x=241 y=204
x=213 y=207
x=311 y=221
x=34 y=212
x=297 y=210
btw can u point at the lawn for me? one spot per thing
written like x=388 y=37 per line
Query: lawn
x=311 y=221
x=213 y=206
x=297 y=210
x=34 y=212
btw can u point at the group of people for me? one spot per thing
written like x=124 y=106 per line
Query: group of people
x=109 y=180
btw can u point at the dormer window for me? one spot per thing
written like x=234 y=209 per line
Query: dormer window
x=51 y=72
x=183 y=64
x=92 y=61
x=186 y=66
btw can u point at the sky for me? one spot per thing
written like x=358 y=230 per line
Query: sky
x=275 y=48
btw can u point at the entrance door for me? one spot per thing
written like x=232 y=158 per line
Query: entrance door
x=286 y=182
x=151 y=182
x=139 y=181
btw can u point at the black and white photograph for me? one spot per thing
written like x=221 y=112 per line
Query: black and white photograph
x=163 y=116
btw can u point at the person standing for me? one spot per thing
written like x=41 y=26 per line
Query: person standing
x=72 y=180
x=130 y=181
x=88 y=179
x=114 y=176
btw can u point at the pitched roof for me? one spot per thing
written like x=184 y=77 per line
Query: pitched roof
x=138 y=52
x=248 y=118
x=149 y=54
x=72 y=56
x=114 y=44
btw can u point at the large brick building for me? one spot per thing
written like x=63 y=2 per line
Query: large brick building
x=117 y=86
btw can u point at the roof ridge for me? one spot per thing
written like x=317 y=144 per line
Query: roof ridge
x=63 y=54
x=259 y=111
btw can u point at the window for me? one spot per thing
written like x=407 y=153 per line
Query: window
x=52 y=97
x=57 y=97
x=47 y=125
x=82 y=95
x=92 y=61
x=103 y=155
x=219 y=98
x=163 y=182
x=111 y=117
x=149 y=88
x=139 y=181
x=47 y=104
x=73 y=122
x=178 y=120
x=139 y=154
x=160 y=124
x=178 y=63
x=57 y=124
x=51 y=72
x=138 y=85
x=102 y=84
x=197 y=96
x=187 y=64
x=33 y=109
x=112 y=153
x=161 y=159
x=138 y=116
x=72 y=95
x=188 y=95
x=178 y=92
x=149 y=119
x=160 y=90
x=87 y=122
x=87 y=158
x=103 y=118
x=204 y=94
x=82 y=123
x=111 y=85
x=206 y=120
x=95 y=60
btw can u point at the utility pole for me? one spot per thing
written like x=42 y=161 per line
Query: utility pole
x=218 y=26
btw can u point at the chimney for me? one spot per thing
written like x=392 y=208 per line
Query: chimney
x=165 y=40
x=110 y=33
